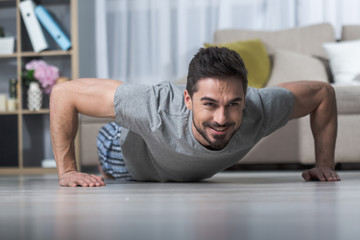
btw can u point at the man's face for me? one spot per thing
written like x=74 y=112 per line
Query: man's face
x=217 y=110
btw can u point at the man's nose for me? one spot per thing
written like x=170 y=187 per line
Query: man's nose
x=220 y=116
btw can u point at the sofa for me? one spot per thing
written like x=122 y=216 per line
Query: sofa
x=295 y=54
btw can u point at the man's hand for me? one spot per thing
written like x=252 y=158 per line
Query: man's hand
x=73 y=179
x=322 y=174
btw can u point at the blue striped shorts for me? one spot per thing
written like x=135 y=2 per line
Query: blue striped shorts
x=110 y=153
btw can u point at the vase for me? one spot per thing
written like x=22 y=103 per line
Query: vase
x=34 y=97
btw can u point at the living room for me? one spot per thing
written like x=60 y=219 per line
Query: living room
x=151 y=41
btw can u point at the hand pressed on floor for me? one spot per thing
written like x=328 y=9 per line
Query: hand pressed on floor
x=74 y=179
x=322 y=174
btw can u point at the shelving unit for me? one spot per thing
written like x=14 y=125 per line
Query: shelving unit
x=24 y=134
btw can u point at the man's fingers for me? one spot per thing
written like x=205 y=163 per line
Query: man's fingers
x=75 y=179
x=95 y=181
x=306 y=175
x=334 y=176
x=82 y=182
x=98 y=180
x=320 y=174
x=88 y=181
x=322 y=178
x=331 y=177
x=338 y=178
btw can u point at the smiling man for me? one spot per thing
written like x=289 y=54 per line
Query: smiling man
x=218 y=106
x=163 y=134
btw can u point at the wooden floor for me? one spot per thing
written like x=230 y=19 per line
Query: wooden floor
x=241 y=205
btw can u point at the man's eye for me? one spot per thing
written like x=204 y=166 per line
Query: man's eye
x=234 y=104
x=209 y=104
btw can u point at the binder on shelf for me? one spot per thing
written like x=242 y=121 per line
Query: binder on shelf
x=52 y=27
x=32 y=25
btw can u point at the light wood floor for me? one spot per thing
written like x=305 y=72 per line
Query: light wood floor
x=241 y=205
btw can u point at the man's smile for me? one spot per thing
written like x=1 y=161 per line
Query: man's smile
x=217 y=129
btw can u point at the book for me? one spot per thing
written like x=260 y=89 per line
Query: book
x=52 y=27
x=32 y=25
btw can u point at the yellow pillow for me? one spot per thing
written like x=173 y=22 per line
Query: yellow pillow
x=255 y=57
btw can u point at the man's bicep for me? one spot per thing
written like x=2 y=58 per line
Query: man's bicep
x=92 y=97
x=307 y=96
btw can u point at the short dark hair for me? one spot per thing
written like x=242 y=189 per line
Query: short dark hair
x=218 y=62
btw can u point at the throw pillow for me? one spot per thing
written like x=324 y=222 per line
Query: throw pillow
x=344 y=60
x=255 y=57
x=291 y=66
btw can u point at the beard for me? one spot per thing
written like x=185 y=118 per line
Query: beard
x=219 y=141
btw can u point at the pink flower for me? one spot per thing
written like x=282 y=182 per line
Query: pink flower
x=46 y=74
x=34 y=64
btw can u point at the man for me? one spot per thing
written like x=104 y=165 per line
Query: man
x=168 y=135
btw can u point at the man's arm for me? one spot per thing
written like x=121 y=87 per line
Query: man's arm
x=93 y=97
x=318 y=100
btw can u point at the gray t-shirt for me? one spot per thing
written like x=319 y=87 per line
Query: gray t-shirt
x=159 y=145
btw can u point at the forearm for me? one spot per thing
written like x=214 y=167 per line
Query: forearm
x=63 y=129
x=324 y=128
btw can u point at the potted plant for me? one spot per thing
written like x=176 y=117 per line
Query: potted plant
x=6 y=43
x=39 y=77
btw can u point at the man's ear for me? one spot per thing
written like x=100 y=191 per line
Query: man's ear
x=187 y=99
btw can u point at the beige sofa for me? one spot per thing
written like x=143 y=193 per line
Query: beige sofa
x=296 y=54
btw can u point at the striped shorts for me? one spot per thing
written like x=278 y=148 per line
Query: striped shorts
x=110 y=153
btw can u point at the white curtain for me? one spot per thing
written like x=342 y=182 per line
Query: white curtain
x=148 y=41
x=336 y=12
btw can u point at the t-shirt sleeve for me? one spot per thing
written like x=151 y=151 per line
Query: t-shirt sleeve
x=139 y=107
x=278 y=106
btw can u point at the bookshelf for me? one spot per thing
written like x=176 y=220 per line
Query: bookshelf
x=25 y=138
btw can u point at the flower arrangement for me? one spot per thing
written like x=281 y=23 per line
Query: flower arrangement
x=44 y=73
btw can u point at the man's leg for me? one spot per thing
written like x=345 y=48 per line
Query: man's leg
x=110 y=155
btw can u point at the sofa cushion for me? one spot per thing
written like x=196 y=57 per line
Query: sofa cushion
x=350 y=32
x=255 y=57
x=344 y=60
x=291 y=66
x=348 y=99
x=306 y=40
x=89 y=129
x=87 y=119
